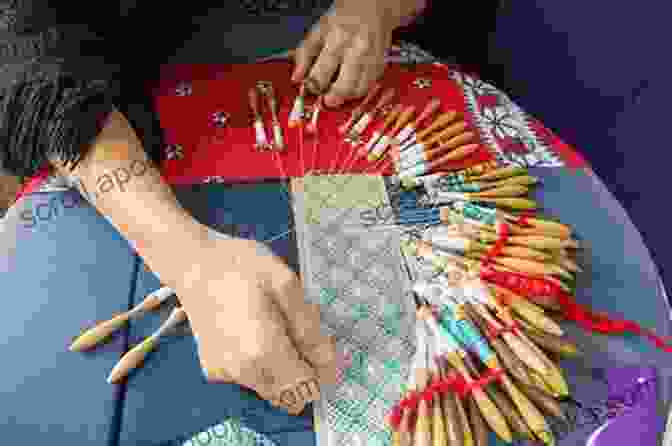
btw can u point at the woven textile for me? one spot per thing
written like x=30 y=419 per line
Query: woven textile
x=227 y=433
x=354 y=272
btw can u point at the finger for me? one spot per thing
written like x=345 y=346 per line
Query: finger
x=347 y=85
x=212 y=374
x=372 y=73
x=280 y=368
x=304 y=327
x=305 y=55
x=326 y=66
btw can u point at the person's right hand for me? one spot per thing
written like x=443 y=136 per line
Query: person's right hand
x=247 y=309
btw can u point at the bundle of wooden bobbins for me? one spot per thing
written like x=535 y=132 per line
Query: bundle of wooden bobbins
x=485 y=353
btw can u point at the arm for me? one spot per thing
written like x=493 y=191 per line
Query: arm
x=397 y=12
x=58 y=87
x=123 y=184
x=246 y=306
x=350 y=41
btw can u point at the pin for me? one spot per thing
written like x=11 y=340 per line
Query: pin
x=422 y=82
x=298 y=109
x=317 y=108
x=174 y=152
x=220 y=119
x=184 y=89
x=259 y=130
x=409 y=131
x=382 y=145
x=263 y=86
x=380 y=131
x=278 y=140
x=360 y=109
x=363 y=122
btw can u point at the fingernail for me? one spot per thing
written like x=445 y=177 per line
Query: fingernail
x=332 y=101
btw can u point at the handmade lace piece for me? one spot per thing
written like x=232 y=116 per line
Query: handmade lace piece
x=355 y=274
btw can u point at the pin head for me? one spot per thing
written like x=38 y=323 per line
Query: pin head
x=264 y=86
x=184 y=89
x=422 y=82
x=174 y=152
x=220 y=119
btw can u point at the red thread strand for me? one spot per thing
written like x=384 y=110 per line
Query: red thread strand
x=428 y=395
x=395 y=417
x=581 y=314
x=497 y=332
x=497 y=248
x=523 y=219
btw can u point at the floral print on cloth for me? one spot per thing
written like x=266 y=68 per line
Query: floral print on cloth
x=505 y=128
x=229 y=432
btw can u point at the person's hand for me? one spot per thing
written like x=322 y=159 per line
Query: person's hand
x=247 y=309
x=349 y=43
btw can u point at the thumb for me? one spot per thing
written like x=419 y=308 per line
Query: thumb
x=305 y=55
x=280 y=373
x=305 y=329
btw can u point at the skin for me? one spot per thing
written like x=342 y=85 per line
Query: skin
x=245 y=305
x=349 y=43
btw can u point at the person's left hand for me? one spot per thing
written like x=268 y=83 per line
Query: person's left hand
x=349 y=41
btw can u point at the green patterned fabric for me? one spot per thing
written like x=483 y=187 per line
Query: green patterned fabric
x=228 y=433
x=354 y=273
x=328 y=193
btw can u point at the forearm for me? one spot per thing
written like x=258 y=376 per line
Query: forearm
x=123 y=184
x=395 y=11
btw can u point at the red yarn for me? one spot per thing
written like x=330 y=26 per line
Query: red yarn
x=522 y=219
x=496 y=332
x=436 y=386
x=581 y=314
x=428 y=395
x=489 y=376
x=395 y=417
x=411 y=401
x=497 y=248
